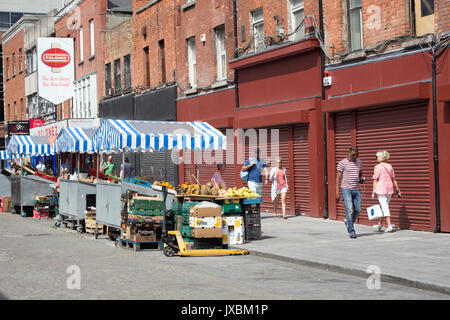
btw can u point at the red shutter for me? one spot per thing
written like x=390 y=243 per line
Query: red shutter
x=403 y=132
x=301 y=171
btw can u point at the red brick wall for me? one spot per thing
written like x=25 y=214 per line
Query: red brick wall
x=442 y=16
x=88 y=9
x=159 y=21
x=203 y=19
x=14 y=84
x=117 y=43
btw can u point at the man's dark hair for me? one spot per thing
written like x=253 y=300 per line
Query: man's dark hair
x=353 y=149
x=127 y=160
x=220 y=166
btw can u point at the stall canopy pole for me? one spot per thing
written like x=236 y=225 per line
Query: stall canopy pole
x=122 y=177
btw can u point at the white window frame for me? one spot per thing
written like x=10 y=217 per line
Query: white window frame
x=350 y=10
x=221 y=54
x=192 y=62
x=85 y=98
x=92 y=30
x=257 y=21
x=81 y=44
x=296 y=8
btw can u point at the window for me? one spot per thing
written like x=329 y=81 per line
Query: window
x=221 y=54
x=81 y=44
x=20 y=60
x=147 y=67
x=162 y=58
x=258 y=28
x=13 y=64
x=117 y=75
x=31 y=60
x=426 y=7
x=127 y=71
x=424 y=17
x=91 y=26
x=355 y=22
x=7 y=67
x=192 y=63
x=22 y=110
x=297 y=16
x=85 y=99
x=107 y=78
x=15 y=111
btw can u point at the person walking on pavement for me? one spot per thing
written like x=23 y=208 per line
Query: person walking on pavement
x=279 y=187
x=350 y=170
x=384 y=182
x=126 y=169
x=109 y=168
x=255 y=167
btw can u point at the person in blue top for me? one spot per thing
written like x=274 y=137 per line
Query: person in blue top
x=256 y=167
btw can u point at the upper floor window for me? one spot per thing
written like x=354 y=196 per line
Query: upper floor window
x=81 y=45
x=221 y=53
x=127 y=71
x=258 y=28
x=91 y=27
x=424 y=17
x=31 y=60
x=13 y=64
x=7 y=67
x=20 y=60
x=297 y=16
x=192 y=62
x=355 y=24
x=117 y=75
x=107 y=79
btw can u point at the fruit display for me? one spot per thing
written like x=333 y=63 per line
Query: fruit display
x=241 y=193
x=163 y=184
x=196 y=189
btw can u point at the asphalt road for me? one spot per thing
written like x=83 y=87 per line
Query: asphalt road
x=38 y=262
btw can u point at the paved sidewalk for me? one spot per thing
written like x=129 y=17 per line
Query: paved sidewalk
x=413 y=258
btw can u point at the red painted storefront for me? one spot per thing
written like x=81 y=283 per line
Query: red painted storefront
x=277 y=89
x=388 y=104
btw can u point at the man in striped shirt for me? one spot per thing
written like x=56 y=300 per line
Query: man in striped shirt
x=350 y=170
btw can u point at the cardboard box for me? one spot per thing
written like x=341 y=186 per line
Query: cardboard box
x=140 y=238
x=207 y=233
x=6 y=204
x=205 y=212
x=233 y=230
x=208 y=222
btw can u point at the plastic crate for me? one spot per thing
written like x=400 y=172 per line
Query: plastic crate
x=139 y=182
x=136 y=204
x=252 y=232
x=177 y=207
x=231 y=208
x=252 y=218
x=251 y=208
x=146 y=212
x=187 y=206
x=252 y=200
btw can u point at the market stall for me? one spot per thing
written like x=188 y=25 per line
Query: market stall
x=78 y=194
x=121 y=136
x=27 y=184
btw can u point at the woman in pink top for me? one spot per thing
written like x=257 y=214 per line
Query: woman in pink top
x=383 y=185
x=279 y=187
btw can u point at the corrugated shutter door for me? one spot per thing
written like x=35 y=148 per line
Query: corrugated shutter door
x=162 y=166
x=403 y=132
x=301 y=170
x=342 y=141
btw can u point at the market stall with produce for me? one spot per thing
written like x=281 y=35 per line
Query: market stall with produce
x=77 y=193
x=28 y=185
x=139 y=201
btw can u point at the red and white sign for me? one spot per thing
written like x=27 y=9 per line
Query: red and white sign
x=56 y=58
x=56 y=70
x=49 y=130
x=34 y=123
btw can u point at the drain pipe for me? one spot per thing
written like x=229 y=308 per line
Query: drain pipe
x=435 y=148
x=236 y=76
x=324 y=116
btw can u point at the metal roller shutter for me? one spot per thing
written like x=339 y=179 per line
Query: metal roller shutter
x=162 y=164
x=301 y=183
x=403 y=132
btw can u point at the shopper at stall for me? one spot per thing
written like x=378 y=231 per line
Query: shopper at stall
x=40 y=167
x=66 y=165
x=384 y=182
x=126 y=169
x=279 y=187
x=256 y=167
x=109 y=168
x=350 y=170
x=217 y=176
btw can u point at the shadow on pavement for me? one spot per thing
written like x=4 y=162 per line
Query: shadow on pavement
x=2 y=297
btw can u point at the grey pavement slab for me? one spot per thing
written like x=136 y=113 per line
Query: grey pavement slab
x=414 y=258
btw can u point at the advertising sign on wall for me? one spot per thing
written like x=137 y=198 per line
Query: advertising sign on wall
x=36 y=122
x=55 y=69
x=18 y=127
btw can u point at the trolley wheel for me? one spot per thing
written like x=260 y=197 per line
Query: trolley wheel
x=80 y=229
x=169 y=251
x=116 y=242
x=23 y=213
x=57 y=224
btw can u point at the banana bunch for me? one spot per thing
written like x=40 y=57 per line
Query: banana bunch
x=242 y=192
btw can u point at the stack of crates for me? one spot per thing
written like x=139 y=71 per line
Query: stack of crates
x=145 y=207
x=181 y=210
x=252 y=218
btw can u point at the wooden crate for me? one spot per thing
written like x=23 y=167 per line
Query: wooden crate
x=90 y=227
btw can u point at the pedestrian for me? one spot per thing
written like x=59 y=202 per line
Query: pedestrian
x=109 y=168
x=384 y=182
x=350 y=170
x=40 y=167
x=66 y=165
x=256 y=167
x=279 y=187
x=126 y=169
x=217 y=177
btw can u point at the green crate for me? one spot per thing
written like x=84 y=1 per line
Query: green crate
x=177 y=207
x=187 y=206
x=146 y=212
x=232 y=208
x=188 y=239
x=185 y=231
x=137 y=204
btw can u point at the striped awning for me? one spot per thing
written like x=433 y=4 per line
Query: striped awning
x=24 y=146
x=134 y=135
x=72 y=139
x=4 y=155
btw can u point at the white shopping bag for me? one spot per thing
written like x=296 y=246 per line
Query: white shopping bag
x=374 y=212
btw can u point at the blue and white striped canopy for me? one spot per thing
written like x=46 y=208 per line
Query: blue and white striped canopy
x=134 y=135
x=24 y=146
x=72 y=139
x=4 y=155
